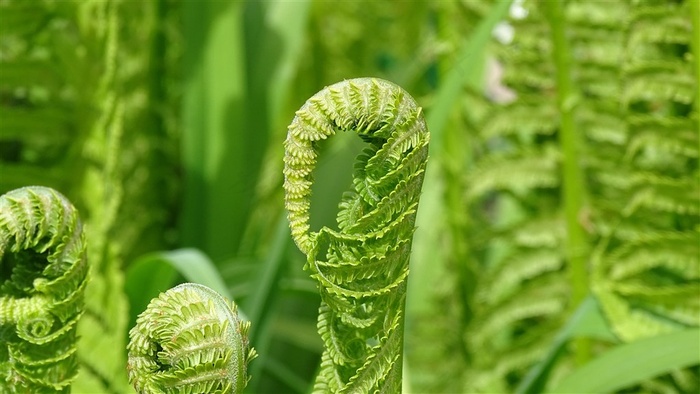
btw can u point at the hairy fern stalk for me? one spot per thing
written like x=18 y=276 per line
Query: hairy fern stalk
x=43 y=274
x=361 y=269
x=189 y=340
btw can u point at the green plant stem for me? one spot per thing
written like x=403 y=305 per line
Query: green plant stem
x=572 y=177
x=695 y=43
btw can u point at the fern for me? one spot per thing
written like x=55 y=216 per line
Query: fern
x=363 y=277
x=189 y=340
x=635 y=108
x=518 y=240
x=651 y=254
x=78 y=98
x=42 y=290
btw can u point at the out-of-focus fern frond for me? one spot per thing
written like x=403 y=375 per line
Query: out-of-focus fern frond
x=78 y=104
x=667 y=135
x=522 y=119
x=634 y=111
x=521 y=292
x=648 y=286
x=519 y=173
x=647 y=276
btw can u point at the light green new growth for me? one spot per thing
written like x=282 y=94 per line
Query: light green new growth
x=362 y=268
x=189 y=340
x=43 y=273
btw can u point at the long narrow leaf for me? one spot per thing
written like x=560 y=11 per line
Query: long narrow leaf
x=634 y=362
x=154 y=273
x=586 y=321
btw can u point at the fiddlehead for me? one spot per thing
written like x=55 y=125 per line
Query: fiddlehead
x=43 y=276
x=362 y=277
x=189 y=340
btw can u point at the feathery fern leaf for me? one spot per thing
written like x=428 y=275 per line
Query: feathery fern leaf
x=75 y=103
x=521 y=293
x=645 y=275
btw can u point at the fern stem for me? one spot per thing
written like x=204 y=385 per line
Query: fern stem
x=695 y=42
x=572 y=175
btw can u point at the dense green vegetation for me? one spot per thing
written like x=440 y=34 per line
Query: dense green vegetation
x=558 y=237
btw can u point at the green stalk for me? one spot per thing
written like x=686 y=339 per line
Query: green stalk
x=695 y=42
x=572 y=176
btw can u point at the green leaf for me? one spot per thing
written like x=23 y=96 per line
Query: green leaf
x=154 y=273
x=586 y=321
x=220 y=156
x=634 y=362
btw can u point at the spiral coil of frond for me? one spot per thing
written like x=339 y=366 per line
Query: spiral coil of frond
x=44 y=273
x=189 y=340
x=362 y=268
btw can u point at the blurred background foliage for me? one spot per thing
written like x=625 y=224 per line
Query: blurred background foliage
x=558 y=226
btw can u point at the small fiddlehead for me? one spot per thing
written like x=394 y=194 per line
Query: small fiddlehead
x=43 y=273
x=189 y=340
x=361 y=269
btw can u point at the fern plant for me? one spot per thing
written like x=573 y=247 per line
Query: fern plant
x=514 y=193
x=362 y=268
x=592 y=168
x=83 y=113
x=189 y=340
x=42 y=290
x=647 y=272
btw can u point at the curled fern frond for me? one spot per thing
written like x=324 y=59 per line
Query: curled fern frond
x=44 y=273
x=363 y=276
x=189 y=340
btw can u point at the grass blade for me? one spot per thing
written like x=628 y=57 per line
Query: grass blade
x=218 y=149
x=156 y=272
x=630 y=363
x=586 y=321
